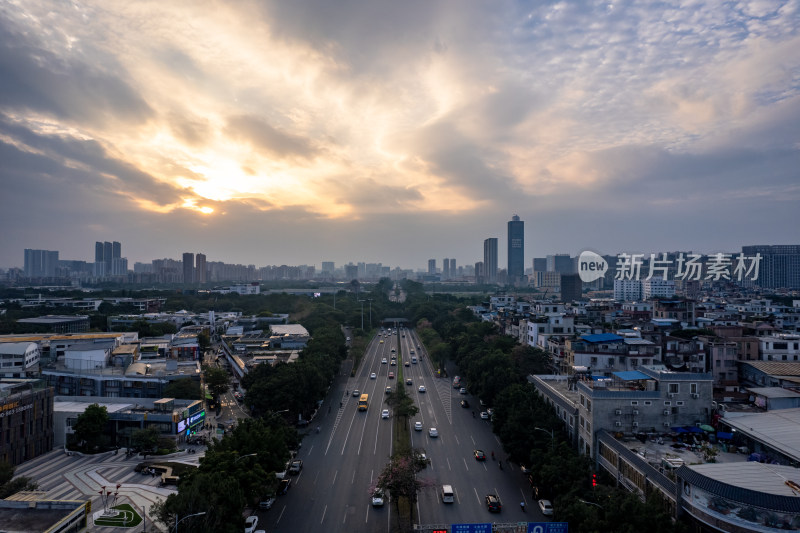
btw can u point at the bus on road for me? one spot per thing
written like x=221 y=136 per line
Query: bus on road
x=363 y=402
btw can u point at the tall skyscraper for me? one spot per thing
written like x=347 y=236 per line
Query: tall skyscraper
x=200 y=271
x=516 y=250
x=98 y=252
x=779 y=268
x=116 y=250
x=445 y=268
x=108 y=254
x=453 y=272
x=328 y=267
x=560 y=263
x=490 y=260
x=188 y=267
x=40 y=263
x=431 y=266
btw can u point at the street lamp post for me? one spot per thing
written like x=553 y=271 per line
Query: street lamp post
x=592 y=503
x=243 y=456
x=184 y=518
x=362 y=314
x=370 y=313
x=552 y=437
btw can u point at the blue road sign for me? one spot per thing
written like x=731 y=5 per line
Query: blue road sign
x=471 y=528
x=548 y=527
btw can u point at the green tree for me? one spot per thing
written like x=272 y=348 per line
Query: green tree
x=145 y=439
x=10 y=485
x=216 y=380
x=184 y=389
x=90 y=426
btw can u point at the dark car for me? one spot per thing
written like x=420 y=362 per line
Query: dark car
x=493 y=503
x=464 y=403
x=479 y=455
x=284 y=485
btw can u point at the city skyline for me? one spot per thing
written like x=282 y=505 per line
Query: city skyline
x=295 y=133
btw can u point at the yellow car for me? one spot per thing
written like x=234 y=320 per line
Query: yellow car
x=381 y=341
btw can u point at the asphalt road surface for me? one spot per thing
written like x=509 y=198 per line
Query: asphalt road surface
x=342 y=461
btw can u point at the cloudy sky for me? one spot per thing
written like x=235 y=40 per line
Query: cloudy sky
x=294 y=132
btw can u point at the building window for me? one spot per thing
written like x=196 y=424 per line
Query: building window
x=693 y=388
x=674 y=388
x=667 y=402
x=679 y=403
x=648 y=403
x=634 y=402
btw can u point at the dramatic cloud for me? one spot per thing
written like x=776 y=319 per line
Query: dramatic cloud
x=296 y=132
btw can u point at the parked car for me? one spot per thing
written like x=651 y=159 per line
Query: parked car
x=417 y=426
x=250 y=524
x=493 y=503
x=433 y=432
x=377 y=498
x=284 y=485
x=479 y=455
x=267 y=503
x=296 y=466
x=546 y=507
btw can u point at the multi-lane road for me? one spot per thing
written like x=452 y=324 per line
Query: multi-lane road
x=343 y=460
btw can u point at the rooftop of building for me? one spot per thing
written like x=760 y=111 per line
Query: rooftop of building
x=777 y=429
x=53 y=319
x=22 y=516
x=775 y=368
x=288 y=329
x=774 y=392
x=14 y=348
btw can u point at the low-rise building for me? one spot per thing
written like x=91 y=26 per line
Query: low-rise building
x=19 y=359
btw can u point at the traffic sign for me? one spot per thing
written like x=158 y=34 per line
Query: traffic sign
x=471 y=528
x=548 y=527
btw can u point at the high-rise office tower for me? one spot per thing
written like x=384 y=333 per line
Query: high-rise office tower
x=108 y=254
x=779 y=267
x=516 y=250
x=560 y=263
x=98 y=252
x=431 y=266
x=188 y=267
x=490 y=260
x=200 y=271
x=445 y=268
x=40 y=263
x=452 y=268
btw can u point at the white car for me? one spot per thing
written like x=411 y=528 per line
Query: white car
x=356 y=393
x=383 y=361
x=377 y=498
x=546 y=507
x=462 y=390
x=373 y=375
x=484 y=415
x=422 y=388
x=385 y=413
x=250 y=524
x=417 y=426
x=433 y=432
